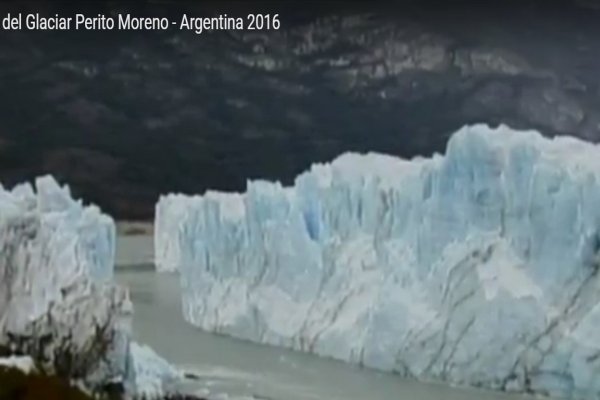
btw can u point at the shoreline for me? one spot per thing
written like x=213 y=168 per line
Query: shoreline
x=134 y=228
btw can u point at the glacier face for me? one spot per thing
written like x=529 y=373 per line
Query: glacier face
x=477 y=268
x=57 y=300
x=56 y=260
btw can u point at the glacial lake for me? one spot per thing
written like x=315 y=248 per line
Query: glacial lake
x=233 y=369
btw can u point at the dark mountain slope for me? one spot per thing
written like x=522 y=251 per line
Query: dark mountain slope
x=125 y=116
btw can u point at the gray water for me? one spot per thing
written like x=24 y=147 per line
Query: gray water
x=235 y=369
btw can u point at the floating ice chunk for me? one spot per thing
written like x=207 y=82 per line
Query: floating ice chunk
x=149 y=374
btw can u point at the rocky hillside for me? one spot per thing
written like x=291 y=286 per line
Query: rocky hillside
x=124 y=116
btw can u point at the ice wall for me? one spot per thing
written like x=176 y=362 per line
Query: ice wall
x=56 y=258
x=57 y=302
x=475 y=268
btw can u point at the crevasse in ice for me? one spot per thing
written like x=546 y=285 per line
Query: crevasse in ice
x=478 y=267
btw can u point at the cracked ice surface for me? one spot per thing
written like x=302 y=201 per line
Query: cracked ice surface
x=477 y=268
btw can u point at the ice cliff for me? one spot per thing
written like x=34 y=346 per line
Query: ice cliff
x=479 y=267
x=57 y=302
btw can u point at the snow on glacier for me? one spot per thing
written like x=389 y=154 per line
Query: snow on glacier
x=478 y=267
x=56 y=293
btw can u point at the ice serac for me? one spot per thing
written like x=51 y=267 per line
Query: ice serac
x=479 y=267
x=57 y=302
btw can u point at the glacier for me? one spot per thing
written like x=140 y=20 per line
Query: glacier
x=478 y=267
x=58 y=304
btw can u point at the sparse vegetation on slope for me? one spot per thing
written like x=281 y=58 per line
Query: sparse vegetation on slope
x=17 y=385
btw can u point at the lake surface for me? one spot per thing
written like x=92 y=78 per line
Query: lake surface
x=233 y=369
